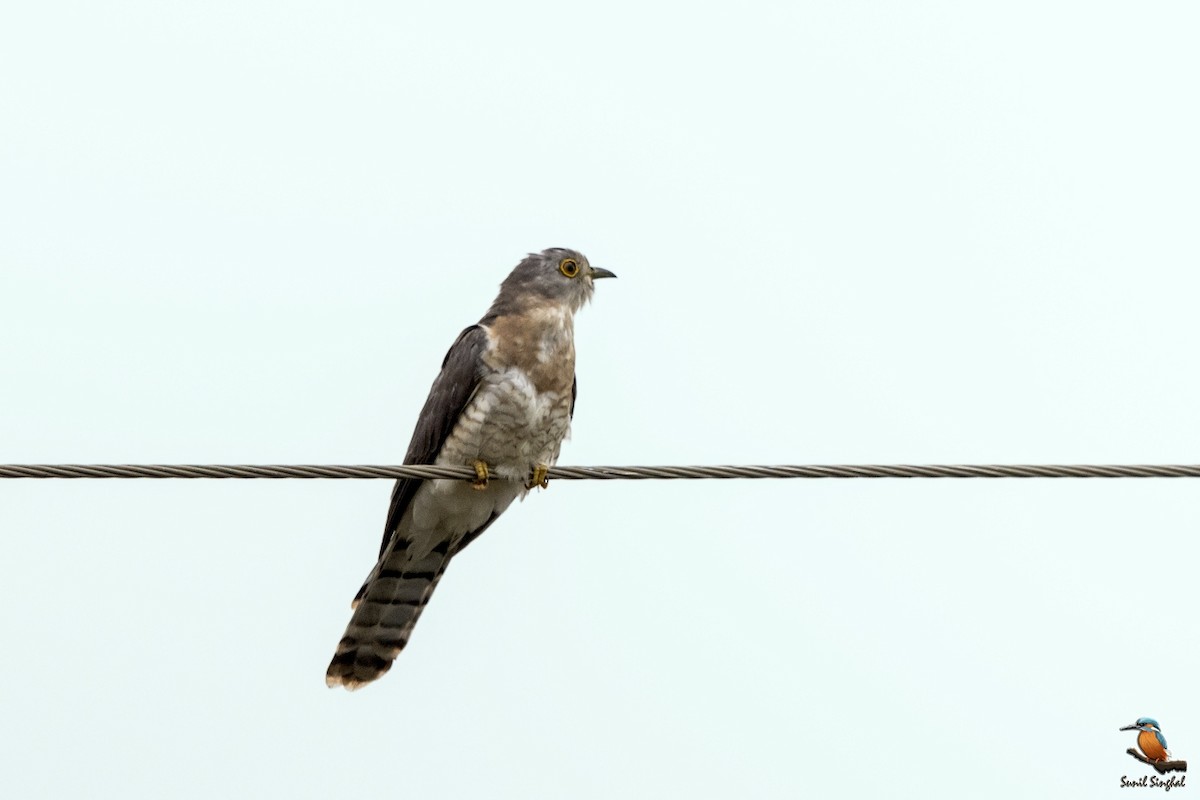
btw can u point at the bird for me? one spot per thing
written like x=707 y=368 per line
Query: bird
x=501 y=405
x=1150 y=739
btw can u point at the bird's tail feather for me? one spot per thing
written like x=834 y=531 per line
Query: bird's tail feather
x=385 y=611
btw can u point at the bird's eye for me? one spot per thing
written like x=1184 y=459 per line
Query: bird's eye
x=569 y=267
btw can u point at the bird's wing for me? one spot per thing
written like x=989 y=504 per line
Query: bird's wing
x=452 y=391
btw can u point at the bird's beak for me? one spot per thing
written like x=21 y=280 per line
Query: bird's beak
x=1130 y=728
x=600 y=272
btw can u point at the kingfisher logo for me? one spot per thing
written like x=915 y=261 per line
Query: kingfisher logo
x=1153 y=746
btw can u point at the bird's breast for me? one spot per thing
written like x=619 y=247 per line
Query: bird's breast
x=1151 y=746
x=510 y=425
x=520 y=411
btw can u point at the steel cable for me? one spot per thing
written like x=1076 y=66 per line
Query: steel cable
x=367 y=471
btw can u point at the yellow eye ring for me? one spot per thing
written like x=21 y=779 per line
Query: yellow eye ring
x=569 y=267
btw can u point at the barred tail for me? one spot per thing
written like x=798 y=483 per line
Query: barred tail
x=385 y=611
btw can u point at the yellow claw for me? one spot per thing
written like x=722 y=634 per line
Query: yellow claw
x=481 y=475
x=540 y=478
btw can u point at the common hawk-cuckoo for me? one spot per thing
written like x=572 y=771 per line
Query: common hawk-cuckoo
x=502 y=404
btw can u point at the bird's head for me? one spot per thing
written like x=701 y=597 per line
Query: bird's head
x=557 y=275
x=1143 y=724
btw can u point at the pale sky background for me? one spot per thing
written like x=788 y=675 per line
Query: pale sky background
x=845 y=232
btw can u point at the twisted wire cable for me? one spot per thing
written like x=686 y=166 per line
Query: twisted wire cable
x=367 y=471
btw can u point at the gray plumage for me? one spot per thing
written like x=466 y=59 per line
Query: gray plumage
x=504 y=397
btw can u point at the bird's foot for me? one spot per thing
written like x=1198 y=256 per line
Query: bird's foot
x=481 y=475
x=540 y=478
